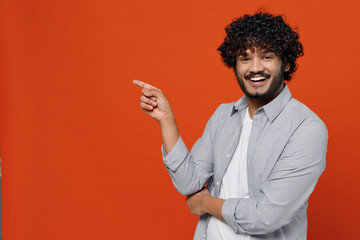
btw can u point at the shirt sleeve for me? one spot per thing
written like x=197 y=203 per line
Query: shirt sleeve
x=288 y=186
x=190 y=171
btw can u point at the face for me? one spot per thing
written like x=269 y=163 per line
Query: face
x=260 y=73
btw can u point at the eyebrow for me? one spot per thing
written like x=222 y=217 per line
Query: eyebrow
x=267 y=51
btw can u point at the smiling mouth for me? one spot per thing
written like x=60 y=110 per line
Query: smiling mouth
x=257 y=79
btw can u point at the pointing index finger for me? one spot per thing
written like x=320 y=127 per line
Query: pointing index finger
x=144 y=84
x=138 y=83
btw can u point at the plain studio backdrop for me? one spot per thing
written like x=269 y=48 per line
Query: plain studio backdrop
x=80 y=160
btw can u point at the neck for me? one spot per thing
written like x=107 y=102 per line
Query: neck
x=255 y=104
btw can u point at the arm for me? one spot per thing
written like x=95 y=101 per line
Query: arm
x=155 y=104
x=288 y=187
x=188 y=171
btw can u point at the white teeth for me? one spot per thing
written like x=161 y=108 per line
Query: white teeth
x=257 y=78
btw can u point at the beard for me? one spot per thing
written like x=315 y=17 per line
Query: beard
x=276 y=84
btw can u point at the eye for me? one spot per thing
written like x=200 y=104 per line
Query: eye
x=244 y=59
x=268 y=57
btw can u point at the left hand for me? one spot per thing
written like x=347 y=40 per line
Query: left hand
x=195 y=202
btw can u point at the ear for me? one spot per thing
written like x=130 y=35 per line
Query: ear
x=287 y=67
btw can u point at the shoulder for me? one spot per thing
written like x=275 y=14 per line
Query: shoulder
x=304 y=118
x=225 y=108
x=222 y=112
x=306 y=142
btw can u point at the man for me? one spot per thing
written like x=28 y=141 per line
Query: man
x=260 y=156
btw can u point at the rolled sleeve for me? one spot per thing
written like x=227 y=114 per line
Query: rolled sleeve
x=228 y=210
x=176 y=156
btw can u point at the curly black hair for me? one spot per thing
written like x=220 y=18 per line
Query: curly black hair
x=261 y=30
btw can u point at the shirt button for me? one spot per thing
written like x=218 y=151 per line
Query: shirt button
x=204 y=235
x=217 y=183
x=227 y=155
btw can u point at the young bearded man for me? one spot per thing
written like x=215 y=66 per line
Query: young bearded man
x=260 y=156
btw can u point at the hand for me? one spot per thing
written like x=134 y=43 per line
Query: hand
x=195 y=202
x=154 y=103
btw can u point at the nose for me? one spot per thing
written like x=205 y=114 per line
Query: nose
x=256 y=65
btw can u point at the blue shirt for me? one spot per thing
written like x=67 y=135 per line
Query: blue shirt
x=286 y=156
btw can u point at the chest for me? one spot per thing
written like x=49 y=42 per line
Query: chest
x=265 y=145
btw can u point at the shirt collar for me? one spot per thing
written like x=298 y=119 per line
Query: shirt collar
x=272 y=109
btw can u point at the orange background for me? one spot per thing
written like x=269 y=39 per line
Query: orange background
x=80 y=160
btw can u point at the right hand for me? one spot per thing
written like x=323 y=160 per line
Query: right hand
x=154 y=103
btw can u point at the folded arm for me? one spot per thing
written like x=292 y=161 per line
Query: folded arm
x=288 y=187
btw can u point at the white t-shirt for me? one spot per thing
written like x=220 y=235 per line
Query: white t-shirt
x=234 y=185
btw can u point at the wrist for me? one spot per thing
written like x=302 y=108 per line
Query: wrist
x=213 y=206
x=167 y=120
x=205 y=203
